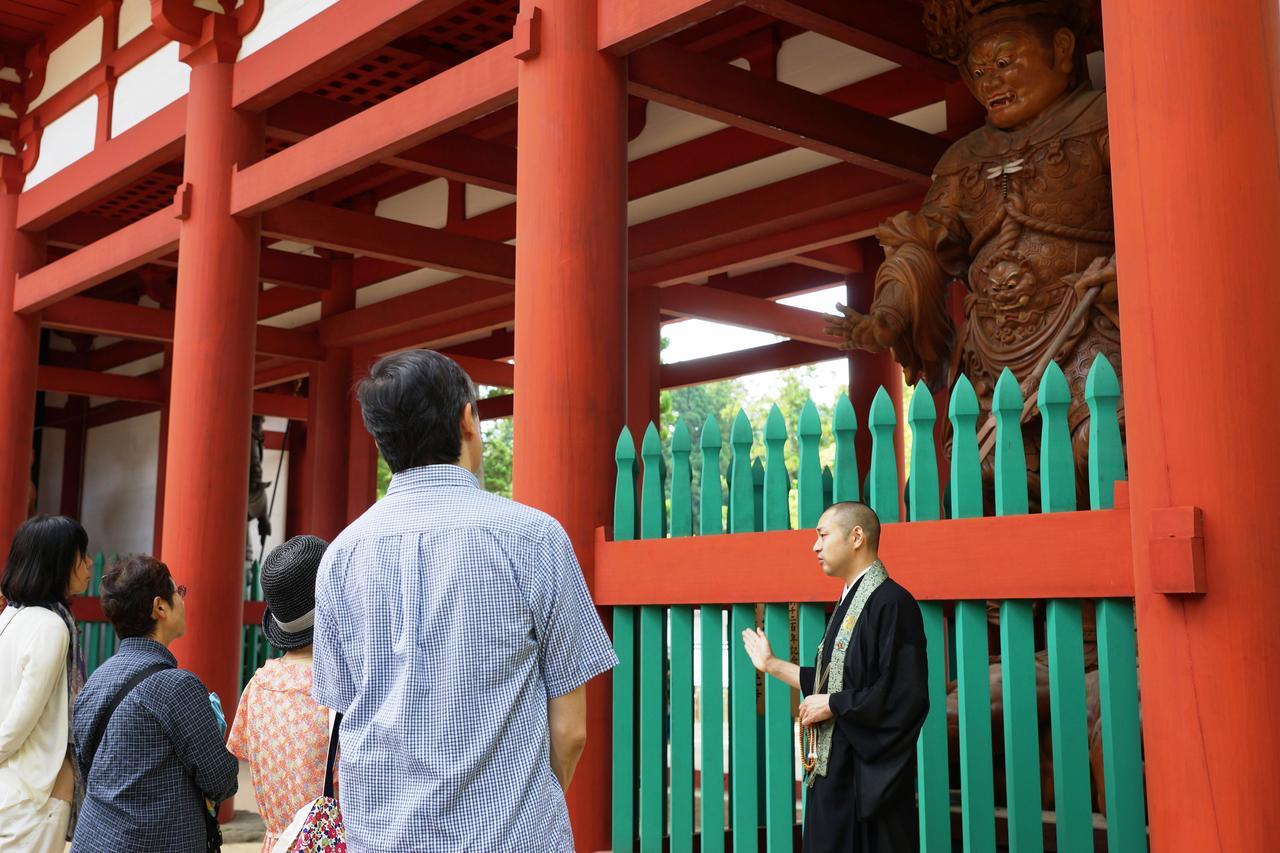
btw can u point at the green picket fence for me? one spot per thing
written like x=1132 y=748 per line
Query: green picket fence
x=748 y=760
x=98 y=640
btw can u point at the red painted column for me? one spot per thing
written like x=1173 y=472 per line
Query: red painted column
x=1194 y=134
x=329 y=423
x=869 y=371
x=20 y=252
x=644 y=346
x=362 y=460
x=571 y=305
x=211 y=385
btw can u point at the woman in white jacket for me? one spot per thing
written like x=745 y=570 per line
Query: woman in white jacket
x=41 y=671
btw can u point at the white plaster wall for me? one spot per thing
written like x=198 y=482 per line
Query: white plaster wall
x=135 y=17
x=149 y=86
x=70 y=59
x=67 y=138
x=119 y=492
x=278 y=17
x=49 y=486
x=427 y=205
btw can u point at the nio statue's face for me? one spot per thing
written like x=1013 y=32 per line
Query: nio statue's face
x=1016 y=73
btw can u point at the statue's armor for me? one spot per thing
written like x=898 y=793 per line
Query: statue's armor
x=1024 y=213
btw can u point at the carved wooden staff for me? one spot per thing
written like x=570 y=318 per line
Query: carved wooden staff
x=987 y=434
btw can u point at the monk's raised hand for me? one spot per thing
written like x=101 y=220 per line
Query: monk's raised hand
x=815 y=709
x=758 y=648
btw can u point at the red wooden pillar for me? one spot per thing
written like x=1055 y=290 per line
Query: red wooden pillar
x=157 y=530
x=298 y=508
x=869 y=371
x=211 y=385
x=571 y=305
x=20 y=252
x=1194 y=136
x=644 y=345
x=362 y=460
x=329 y=423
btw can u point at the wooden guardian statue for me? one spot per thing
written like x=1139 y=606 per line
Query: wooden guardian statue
x=1019 y=210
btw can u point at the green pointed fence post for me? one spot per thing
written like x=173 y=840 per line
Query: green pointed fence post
x=882 y=489
x=779 y=760
x=977 y=790
x=813 y=486
x=844 y=424
x=1106 y=453
x=742 y=675
x=742 y=498
x=931 y=751
x=625 y=781
x=757 y=494
x=711 y=629
x=1064 y=633
x=710 y=493
x=1017 y=637
x=828 y=486
x=652 y=658
x=681 y=619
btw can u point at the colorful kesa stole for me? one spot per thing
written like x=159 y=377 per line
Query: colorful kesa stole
x=818 y=738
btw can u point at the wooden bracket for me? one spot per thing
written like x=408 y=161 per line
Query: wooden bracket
x=182 y=202
x=528 y=33
x=1176 y=550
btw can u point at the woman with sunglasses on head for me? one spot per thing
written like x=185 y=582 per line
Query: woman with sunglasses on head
x=148 y=741
x=41 y=672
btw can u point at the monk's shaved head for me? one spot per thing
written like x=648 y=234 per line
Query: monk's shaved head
x=847 y=515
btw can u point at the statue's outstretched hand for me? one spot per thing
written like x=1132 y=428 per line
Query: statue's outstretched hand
x=871 y=332
x=1102 y=272
x=758 y=648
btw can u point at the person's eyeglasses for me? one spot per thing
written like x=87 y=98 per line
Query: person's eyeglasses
x=181 y=590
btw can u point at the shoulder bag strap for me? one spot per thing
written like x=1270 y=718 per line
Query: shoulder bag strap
x=100 y=727
x=333 y=752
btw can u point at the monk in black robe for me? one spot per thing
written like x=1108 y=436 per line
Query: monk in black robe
x=863 y=786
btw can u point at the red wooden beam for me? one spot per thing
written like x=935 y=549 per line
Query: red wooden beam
x=436 y=335
x=432 y=108
x=1054 y=555
x=889 y=30
x=485 y=372
x=454 y=155
x=69 y=380
x=119 y=319
x=784 y=243
x=420 y=308
x=126 y=249
x=842 y=259
x=723 y=306
x=265 y=377
x=773 y=282
x=737 y=97
x=280 y=406
x=323 y=45
x=111 y=166
x=713 y=368
x=624 y=25
x=389 y=239
x=492 y=408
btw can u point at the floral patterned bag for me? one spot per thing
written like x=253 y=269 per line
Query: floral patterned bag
x=317 y=827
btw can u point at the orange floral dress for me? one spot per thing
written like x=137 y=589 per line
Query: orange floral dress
x=284 y=735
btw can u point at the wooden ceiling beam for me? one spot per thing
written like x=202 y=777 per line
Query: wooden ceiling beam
x=715 y=368
x=723 y=306
x=723 y=92
x=391 y=240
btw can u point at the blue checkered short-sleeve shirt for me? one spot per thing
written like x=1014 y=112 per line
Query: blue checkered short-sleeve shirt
x=446 y=618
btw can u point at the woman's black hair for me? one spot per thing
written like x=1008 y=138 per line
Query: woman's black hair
x=45 y=551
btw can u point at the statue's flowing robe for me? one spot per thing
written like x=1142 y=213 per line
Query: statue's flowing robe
x=866 y=802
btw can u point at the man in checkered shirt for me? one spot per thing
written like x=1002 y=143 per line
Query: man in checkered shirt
x=455 y=633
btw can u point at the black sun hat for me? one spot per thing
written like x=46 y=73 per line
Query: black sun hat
x=289 y=586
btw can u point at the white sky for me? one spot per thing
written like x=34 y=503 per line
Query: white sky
x=689 y=339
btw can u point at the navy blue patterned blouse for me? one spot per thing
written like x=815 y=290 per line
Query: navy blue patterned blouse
x=161 y=755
